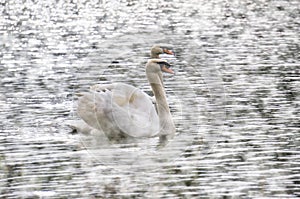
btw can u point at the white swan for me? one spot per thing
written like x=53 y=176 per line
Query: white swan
x=121 y=110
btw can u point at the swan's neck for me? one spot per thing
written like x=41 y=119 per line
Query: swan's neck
x=161 y=100
x=167 y=126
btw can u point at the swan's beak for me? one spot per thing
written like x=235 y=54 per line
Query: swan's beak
x=168 y=51
x=166 y=69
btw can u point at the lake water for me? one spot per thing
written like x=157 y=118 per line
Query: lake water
x=234 y=98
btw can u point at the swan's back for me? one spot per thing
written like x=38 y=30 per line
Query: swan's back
x=119 y=110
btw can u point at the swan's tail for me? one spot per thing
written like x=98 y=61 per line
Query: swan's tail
x=79 y=126
x=93 y=106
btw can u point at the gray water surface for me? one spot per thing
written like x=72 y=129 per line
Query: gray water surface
x=234 y=98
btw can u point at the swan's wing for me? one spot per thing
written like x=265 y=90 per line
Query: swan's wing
x=133 y=111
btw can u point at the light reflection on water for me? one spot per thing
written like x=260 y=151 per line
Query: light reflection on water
x=235 y=98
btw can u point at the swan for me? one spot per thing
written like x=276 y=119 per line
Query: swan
x=123 y=111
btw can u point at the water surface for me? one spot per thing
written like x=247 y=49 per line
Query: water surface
x=234 y=98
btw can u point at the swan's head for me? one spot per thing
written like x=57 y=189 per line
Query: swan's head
x=154 y=69
x=156 y=66
x=156 y=50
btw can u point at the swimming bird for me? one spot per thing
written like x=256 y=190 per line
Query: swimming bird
x=123 y=111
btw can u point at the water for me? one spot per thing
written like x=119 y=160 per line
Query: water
x=234 y=98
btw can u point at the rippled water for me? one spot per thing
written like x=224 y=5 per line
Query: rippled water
x=234 y=98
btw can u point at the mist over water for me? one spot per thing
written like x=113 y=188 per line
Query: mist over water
x=234 y=98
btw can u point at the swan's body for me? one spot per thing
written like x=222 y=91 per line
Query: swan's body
x=121 y=110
